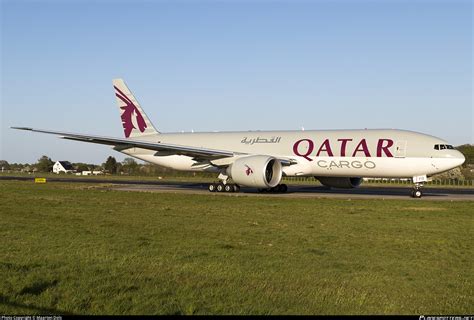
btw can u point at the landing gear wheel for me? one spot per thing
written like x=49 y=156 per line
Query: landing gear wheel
x=220 y=187
x=416 y=193
x=283 y=188
x=228 y=188
x=212 y=187
x=236 y=188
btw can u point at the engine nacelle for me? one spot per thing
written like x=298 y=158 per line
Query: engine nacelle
x=256 y=171
x=340 y=182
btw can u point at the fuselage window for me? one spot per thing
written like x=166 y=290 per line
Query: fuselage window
x=442 y=146
x=436 y=146
x=450 y=146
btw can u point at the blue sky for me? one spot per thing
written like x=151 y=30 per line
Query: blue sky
x=232 y=65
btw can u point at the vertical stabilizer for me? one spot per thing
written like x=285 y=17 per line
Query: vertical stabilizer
x=134 y=120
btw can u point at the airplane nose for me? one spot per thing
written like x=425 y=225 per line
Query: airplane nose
x=460 y=158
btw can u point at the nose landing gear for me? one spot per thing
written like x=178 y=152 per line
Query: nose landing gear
x=418 y=183
x=416 y=192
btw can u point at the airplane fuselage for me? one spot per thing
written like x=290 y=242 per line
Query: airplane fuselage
x=338 y=153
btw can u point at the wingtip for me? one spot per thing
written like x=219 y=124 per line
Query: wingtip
x=22 y=128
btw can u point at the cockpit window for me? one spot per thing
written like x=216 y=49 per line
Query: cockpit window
x=443 y=146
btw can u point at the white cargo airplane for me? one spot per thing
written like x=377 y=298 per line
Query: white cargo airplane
x=259 y=159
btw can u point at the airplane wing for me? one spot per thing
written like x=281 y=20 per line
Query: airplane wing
x=122 y=144
x=128 y=143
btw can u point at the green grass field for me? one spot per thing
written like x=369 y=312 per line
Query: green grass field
x=81 y=249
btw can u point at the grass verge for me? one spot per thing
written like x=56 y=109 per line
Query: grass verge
x=80 y=249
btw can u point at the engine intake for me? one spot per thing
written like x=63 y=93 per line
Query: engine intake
x=340 y=182
x=256 y=171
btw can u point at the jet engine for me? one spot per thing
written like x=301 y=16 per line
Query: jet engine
x=256 y=171
x=340 y=182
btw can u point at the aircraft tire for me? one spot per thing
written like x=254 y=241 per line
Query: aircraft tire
x=220 y=187
x=228 y=188
x=417 y=193
x=212 y=187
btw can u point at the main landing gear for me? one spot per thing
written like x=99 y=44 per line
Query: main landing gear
x=228 y=187
x=221 y=187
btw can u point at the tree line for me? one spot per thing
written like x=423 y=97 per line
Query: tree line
x=128 y=166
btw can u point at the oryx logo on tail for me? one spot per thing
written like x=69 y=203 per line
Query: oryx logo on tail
x=131 y=116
